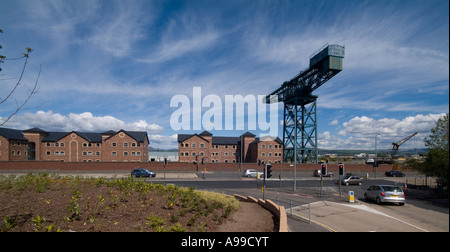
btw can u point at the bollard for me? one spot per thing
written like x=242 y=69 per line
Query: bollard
x=351 y=197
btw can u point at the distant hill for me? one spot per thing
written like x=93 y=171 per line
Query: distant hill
x=162 y=150
x=381 y=152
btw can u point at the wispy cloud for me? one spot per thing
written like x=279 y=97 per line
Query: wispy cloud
x=117 y=31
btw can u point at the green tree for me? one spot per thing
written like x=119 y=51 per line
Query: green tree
x=437 y=162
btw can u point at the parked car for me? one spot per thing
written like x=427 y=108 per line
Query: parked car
x=394 y=174
x=252 y=173
x=385 y=193
x=142 y=173
x=318 y=172
x=351 y=180
x=370 y=161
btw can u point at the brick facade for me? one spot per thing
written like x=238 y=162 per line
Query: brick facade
x=211 y=149
x=40 y=145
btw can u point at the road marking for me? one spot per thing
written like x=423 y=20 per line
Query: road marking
x=371 y=210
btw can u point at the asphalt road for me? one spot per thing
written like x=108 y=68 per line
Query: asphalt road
x=422 y=211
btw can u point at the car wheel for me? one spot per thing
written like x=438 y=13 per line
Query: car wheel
x=378 y=200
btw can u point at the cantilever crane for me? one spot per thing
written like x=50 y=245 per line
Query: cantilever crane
x=300 y=124
x=396 y=145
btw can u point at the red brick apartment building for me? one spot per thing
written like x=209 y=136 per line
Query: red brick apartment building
x=218 y=149
x=109 y=146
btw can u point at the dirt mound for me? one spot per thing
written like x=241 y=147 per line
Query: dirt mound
x=49 y=204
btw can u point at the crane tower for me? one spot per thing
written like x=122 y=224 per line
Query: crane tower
x=300 y=111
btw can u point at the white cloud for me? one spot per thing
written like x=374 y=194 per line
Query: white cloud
x=359 y=132
x=47 y=120
x=163 y=142
x=334 y=122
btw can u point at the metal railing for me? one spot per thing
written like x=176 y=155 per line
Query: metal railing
x=295 y=209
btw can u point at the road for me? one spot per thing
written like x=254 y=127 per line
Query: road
x=420 y=214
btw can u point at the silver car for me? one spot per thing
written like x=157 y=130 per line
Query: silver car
x=351 y=180
x=252 y=173
x=385 y=193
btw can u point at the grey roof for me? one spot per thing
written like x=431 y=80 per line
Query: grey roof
x=216 y=140
x=225 y=140
x=139 y=136
x=184 y=137
x=12 y=134
x=35 y=130
x=258 y=139
x=248 y=134
x=52 y=136
x=205 y=133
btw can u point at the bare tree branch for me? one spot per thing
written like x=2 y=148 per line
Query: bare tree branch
x=30 y=94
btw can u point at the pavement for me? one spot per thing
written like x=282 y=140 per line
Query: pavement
x=355 y=217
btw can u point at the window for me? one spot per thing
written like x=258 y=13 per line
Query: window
x=194 y=145
x=125 y=144
x=194 y=154
x=202 y=145
x=114 y=153
x=125 y=153
x=113 y=144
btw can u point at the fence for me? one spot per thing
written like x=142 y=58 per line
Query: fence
x=295 y=209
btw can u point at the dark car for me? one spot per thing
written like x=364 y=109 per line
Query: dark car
x=394 y=174
x=142 y=173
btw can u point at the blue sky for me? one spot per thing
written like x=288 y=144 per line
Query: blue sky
x=117 y=64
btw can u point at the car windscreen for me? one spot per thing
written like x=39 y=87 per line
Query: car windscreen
x=392 y=189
